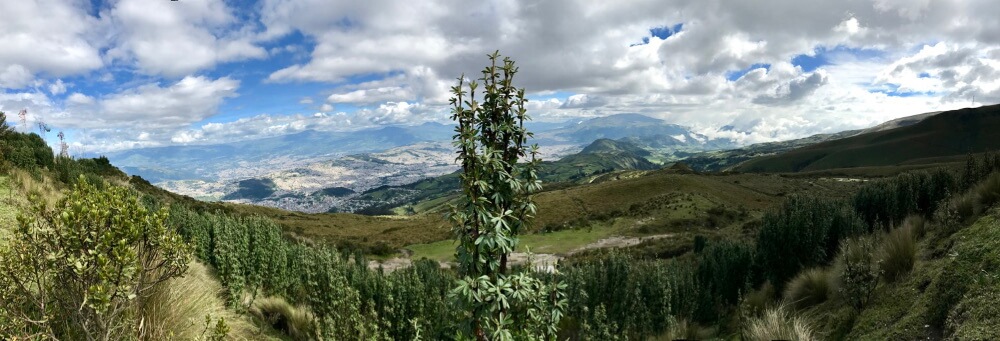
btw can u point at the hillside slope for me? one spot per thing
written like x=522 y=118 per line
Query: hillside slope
x=952 y=133
x=722 y=160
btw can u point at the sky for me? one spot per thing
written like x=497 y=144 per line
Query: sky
x=128 y=74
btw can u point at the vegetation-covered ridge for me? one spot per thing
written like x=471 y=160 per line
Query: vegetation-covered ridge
x=947 y=136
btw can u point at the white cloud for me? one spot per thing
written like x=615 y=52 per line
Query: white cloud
x=155 y=56
x=15 y=77
x=176 y=38
x=51 y=37
x=77 y=98
x=150 y=106
x=376 y=95
x=57 y=87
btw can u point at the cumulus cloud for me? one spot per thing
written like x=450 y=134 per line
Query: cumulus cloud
x=721 y=62
x=681 y=77
x=268 y=125
x=15 y=77
x=150 y=106
x=375 y=95
x=52 y=37
x=794 y=90
x=57 y=87
x=178 y=38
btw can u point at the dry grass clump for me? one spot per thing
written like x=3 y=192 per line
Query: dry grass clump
x=809 y=288
x=177 y=309
x=778 y=323
x=279 y=314
x=917 y=224
x=755 y=302
x=898 y=252
x=686 y=330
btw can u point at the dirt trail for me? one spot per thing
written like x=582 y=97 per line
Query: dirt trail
x=540 y=261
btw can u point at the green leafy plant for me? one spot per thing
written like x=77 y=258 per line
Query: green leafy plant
x=859 y=271
x=498 y=179
x=81 y=271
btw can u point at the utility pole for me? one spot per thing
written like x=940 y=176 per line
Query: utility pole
x=23 y=114
x=63 y=147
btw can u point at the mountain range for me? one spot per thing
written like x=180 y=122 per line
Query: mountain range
x=313 y=170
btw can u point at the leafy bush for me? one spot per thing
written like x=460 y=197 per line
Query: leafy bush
x=858 y=271
x=80 y=271
x=25 y=151
x=637 y=298
x=723 y=273
x=898 y=252
x=809 y=288
x=803 y=232
x=886 y=203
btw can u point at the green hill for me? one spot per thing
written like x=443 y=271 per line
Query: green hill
x=948 y=134
x=600 y=157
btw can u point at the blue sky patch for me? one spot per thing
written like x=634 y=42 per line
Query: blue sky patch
x=892 y=90
x=662 y=32
x=822 y=56
x=734 y=75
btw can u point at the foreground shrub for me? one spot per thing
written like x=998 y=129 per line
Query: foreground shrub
x=957 y=211
x=809 y=288
x=499 y=177
x=898 y=252
x=628 y=297
x=802 y=233
x=858 y=271
x=723 y=272
x=82 y=270
x=778 y=324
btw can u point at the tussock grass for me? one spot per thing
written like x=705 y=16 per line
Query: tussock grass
x=757 y=301
x=974 y=202
x=898 y=252
x=177 y=308
x=809 y=288
x=282 y=316
x=917 y=224
x=686 y=330
x=778 y=323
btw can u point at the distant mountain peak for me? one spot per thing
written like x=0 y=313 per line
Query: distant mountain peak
x=600 y=146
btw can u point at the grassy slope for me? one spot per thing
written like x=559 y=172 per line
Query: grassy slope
x=952 y=290
x=950 y=133
x=648 y=203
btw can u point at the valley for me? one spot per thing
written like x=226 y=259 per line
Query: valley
x=303 y=170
